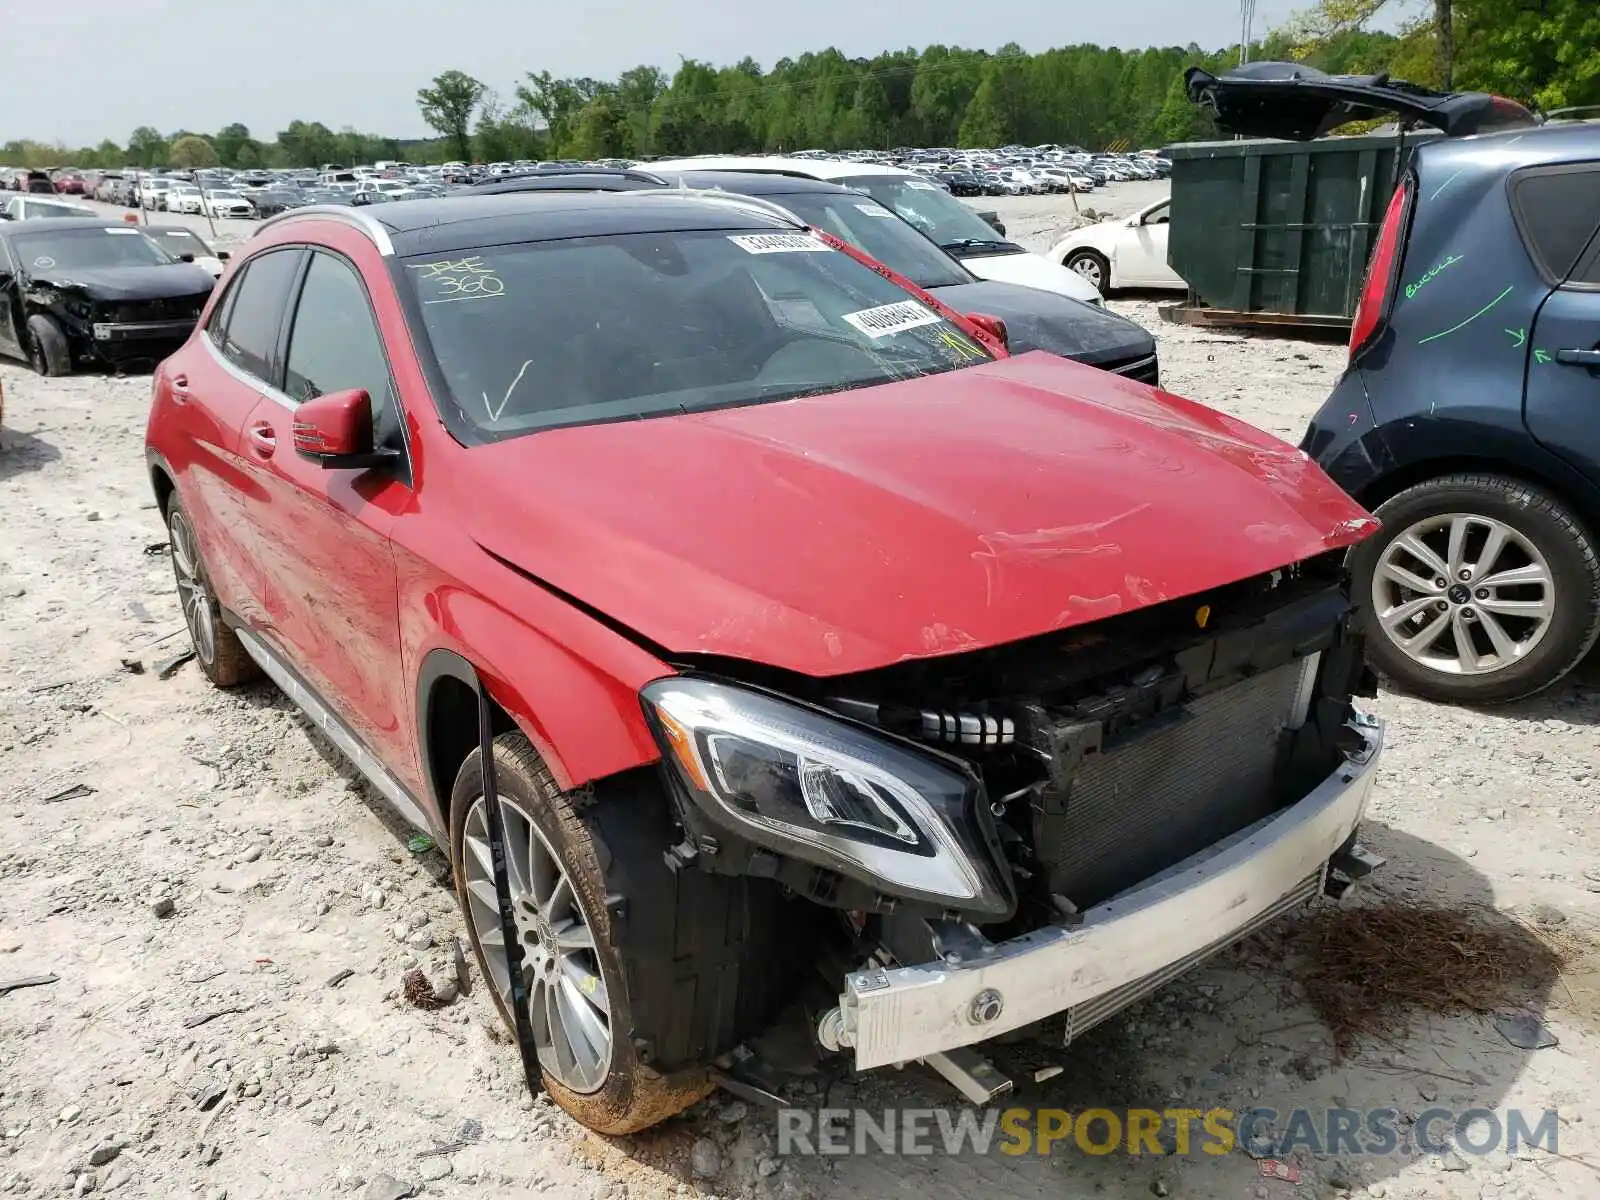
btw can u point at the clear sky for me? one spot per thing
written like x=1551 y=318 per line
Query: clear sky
x=83 y=70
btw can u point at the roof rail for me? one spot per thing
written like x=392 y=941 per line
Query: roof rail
x=730 y=200
x=364 y=221
x=556 y=172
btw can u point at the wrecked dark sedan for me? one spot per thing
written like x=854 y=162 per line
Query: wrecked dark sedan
x=89 y=293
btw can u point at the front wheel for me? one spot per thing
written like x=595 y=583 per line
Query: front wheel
x=1091 y=265
x=1479 y=589
x=48 y=352
x=636 y=975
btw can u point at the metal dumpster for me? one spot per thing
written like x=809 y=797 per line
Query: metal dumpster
x=1277 y=232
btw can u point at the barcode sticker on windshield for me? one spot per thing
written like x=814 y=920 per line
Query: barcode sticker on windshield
x=920 y=185
x=892 y=318
x=778 y=243
x=875 y=210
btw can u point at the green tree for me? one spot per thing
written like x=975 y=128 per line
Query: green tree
x=983 y=126
x=147 y=148
x=229 y=141
x=448 y=106
x=307 y=144
x=601 y=130
x=191 y=151
x=110 y=154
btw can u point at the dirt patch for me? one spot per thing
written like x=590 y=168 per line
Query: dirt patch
x=1369 y=972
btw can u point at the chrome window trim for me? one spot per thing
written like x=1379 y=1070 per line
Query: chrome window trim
x=366 y=223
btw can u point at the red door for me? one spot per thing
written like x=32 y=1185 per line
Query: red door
x=330 y=601
x=204 y=394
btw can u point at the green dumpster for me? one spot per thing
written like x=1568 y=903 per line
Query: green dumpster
x=1277 y=232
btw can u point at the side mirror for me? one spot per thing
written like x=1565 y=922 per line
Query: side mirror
x=335 y=431
x=223 y=256
x=5 y=216
x=188 y=258
x=992 y=325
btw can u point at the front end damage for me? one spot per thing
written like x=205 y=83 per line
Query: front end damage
x=1031 y=837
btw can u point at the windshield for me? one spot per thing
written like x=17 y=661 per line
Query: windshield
x=934 y=212
x=544 y=334
x=36 y=208
x=224 y=195
x=872 y=228
x=89 y=249
x=181 y=241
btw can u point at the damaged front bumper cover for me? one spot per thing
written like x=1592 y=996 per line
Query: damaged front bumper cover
x=1123 y=948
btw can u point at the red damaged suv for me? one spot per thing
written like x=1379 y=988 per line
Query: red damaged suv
x=834 y=664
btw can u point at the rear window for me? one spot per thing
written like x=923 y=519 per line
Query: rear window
x=1557 y=211
x=543 y=334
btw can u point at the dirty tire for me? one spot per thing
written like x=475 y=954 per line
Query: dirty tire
x=47 y=347
x=228 y=665
x=690 y=961
x=1551 y=526
x=1090 y=265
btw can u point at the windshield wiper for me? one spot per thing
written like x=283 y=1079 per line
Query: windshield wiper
x=979 y=245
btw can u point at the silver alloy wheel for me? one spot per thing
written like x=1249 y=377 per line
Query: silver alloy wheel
x=192 y=594
x=1088 y=267
x=1463 y=594
x=567 y=1001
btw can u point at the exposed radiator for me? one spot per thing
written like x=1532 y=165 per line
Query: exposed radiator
x=1192 y=778
x=1090 y=1013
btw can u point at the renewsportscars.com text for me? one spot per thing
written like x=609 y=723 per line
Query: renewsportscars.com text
x=1264 y=1132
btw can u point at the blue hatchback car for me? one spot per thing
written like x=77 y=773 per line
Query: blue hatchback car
x=1468 y=419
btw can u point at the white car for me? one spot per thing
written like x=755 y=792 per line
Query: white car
x=1131 y=252
x=223 y=203
x=153 y=192
x=394 y=189
x=179 y=241
x=184 y=198
x=31 y=208
x=957 y=229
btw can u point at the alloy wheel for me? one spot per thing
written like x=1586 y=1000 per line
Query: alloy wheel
x=193 y=596
x=568 y=1006
x=1463 y=594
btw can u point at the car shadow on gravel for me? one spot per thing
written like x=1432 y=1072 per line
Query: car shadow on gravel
x=267 y=695
x=22 y=452
x=1241 y=1034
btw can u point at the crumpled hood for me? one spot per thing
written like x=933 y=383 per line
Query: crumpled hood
x=130 y=283
x=1040 y=320
x=838 y=533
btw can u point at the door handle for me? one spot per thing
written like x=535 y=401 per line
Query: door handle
x=1579 y=358
x=262 y=439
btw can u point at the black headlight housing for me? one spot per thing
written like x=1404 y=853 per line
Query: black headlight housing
x=803 y=784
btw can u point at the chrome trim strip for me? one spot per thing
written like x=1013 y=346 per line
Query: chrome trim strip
x=1137 y=365
x=333 y=729
x=368 y=224
x=250 y=381
x=905 y=1013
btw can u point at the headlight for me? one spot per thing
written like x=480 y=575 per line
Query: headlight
x=813 y=787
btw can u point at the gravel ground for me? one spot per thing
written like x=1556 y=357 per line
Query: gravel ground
x=295 y=906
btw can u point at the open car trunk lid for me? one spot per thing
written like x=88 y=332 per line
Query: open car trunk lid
x=1298 y=103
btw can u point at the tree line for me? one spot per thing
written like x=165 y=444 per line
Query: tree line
x=1543 y=51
